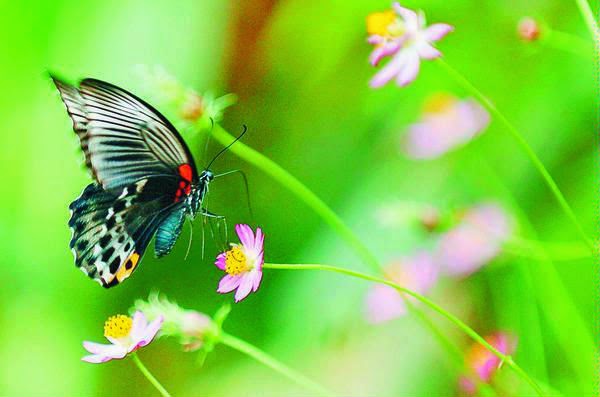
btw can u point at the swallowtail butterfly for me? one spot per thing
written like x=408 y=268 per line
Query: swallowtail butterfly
x=146 y=181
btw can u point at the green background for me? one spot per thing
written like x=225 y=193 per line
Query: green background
x=300 y=70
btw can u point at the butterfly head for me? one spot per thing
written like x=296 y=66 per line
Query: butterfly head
x=206 y=176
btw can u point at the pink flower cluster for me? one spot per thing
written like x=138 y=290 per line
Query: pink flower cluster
x=474 y=241
x=446 y=123
x=482 y=364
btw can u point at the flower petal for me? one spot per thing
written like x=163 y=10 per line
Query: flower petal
x=97 y=348
x=410 y=70
x=259 y=240
x=149 y=333
x=228 y=283
x=103 y=353
x=244 y=288
x=96 y=359
x=246 y=235
x=427 y=51
x=259 y=261
x=138 y=325
x=256 y=281
x=384 y=50
x=437 y=31
x=391 y=69
x=220 y=262
x=375 y=39
x=411 y=19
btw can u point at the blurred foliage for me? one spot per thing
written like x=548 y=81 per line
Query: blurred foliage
x=301 y=80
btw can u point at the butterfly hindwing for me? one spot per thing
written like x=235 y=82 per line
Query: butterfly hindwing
x=111 y=230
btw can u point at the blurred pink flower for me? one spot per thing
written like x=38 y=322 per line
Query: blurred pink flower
x=417 y=273
x=446 y=123
x=483 y=364
x=528 y=29
x=194 y=326
x=242 y=263
x=476 y=240
x=190 y=326
x=402 y=33
x=125 y=334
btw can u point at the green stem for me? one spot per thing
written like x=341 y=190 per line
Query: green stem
x=272 y=363
x=304 y=193
x=557 y=251
x=526 y=148
x=589 y=18
x=569 y=43
x=149 y=375
x=464 y=327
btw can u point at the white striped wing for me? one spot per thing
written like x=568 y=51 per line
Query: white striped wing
x=124 y=138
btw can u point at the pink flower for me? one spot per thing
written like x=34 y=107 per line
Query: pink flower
x=446 y=123
x=417 y=273
x=125 y=334
x=476 y=240
x=483 y=364
x=403 y=35
x=242 y=263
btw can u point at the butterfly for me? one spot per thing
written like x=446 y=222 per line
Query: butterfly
x=146 y=181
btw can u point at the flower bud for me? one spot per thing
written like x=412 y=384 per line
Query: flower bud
x=192 y=108
x=528 y=29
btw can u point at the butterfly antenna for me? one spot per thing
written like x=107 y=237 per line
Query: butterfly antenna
x=246 y=186
x=190 y=243
x=228 y=146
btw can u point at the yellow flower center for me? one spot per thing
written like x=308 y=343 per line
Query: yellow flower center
x=384 y=24
x=439 y=103
x=235 y=261
x=118 y=326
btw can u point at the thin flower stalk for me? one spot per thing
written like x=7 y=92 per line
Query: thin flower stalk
x=163 y=392
x=541 y=250
x=268 y=361
x=526 y=148
x=590 y=19
x=569 y=43
x=506 y=359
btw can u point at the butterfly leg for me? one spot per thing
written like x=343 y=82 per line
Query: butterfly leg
x=220 y=219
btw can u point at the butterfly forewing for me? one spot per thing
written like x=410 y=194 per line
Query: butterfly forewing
x=124 y=138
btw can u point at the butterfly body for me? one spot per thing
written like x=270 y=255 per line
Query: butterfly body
x=146 y=182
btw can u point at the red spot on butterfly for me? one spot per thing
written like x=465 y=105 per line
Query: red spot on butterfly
x=185 y=185
x=185 y=171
